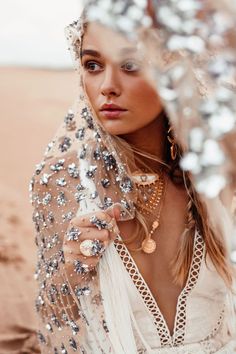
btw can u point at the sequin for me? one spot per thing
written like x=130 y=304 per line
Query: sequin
x=63 y=349
x=100 y=224
x=45 y=179
x=88 y=118
x=50 y=217
x=97 y=154
x=55 y=239
x=80 y=134
x=79 y=197
x=40 y=167
x=73 y=170
x=105 y=326
x=67 y=216
x=83 y=152
x=41 y=338
x=58 y=166
x=97 y=248
x=56 y=322
x=46 y=200
x=81 y=268
x=73 y=234
x=94 y=195
x=65 y=290
x=111 y=13
x=73 y=344
x=49 y=147
x=65 y=144
x=97 y=137
x=69 y=121
x=49 y=327
x=91 y=171
x=39 y=303
x=61 y=182
x=61 y=199
x=79 y=187
x=126 y=185
x=61 y=257
x=74 y=327
x=82 y=291
x=31 y=184
x=107 y=202
x=105 y=183
x=109 y=160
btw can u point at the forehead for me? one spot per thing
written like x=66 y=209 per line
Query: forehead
x=106 y=41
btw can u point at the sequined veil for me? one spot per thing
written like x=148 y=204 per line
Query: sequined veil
x=74 y=177
x=81 y=172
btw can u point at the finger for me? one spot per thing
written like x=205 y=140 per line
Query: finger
x=89 y=233
x=71 y=259
x=92 y=233
x=84 y=221
x=114 y=212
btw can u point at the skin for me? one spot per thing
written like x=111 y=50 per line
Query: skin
x=115 y=72
x=108 y=77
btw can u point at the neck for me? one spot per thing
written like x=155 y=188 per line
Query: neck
x=150 y=139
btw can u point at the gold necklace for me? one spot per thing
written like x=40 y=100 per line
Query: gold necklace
x=156 y=186
x=150 y=188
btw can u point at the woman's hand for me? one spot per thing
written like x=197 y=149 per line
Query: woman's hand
x=99 y=227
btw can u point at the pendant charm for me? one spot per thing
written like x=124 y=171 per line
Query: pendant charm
x=149 y=246
x=145 y=179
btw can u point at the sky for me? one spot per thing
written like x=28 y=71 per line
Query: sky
x=32 y=32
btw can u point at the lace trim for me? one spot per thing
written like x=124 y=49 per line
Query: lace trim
x=217 y=326
x=145 y=292
x=180 y=322
x=149 y=300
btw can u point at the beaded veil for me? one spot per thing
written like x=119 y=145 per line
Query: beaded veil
x=81 y=172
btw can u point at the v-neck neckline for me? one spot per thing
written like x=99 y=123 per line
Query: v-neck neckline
x=177 y=338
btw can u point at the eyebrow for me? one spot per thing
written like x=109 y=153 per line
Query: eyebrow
x=94 y=53
x=90 y=52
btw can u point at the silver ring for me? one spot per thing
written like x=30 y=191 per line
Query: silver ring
x=91 y=248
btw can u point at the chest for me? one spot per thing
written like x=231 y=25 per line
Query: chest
x=157 y=268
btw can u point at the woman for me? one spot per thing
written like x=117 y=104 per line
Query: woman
x=128 y=260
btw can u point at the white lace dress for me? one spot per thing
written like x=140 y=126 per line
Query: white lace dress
x=205 y=318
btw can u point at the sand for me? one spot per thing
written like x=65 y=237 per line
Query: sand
x=33 y=104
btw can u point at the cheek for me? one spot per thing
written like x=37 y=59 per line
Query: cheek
x=146 y=100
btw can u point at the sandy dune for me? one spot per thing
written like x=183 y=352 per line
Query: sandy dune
x=33 y=103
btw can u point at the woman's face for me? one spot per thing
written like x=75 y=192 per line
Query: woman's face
x=115 y=82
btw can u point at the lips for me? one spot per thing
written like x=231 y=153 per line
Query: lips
x=112 y=107
x=112 y=110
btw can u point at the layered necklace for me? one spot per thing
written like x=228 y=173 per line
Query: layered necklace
x=151 y=189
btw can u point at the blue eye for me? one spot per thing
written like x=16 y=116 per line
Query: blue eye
x=131 y=66
x=92 y=66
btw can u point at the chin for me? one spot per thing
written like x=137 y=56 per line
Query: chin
x=116 y=128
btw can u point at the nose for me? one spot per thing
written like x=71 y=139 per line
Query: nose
x=111 y=84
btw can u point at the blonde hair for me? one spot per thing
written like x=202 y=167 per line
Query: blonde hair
x=196 y=216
